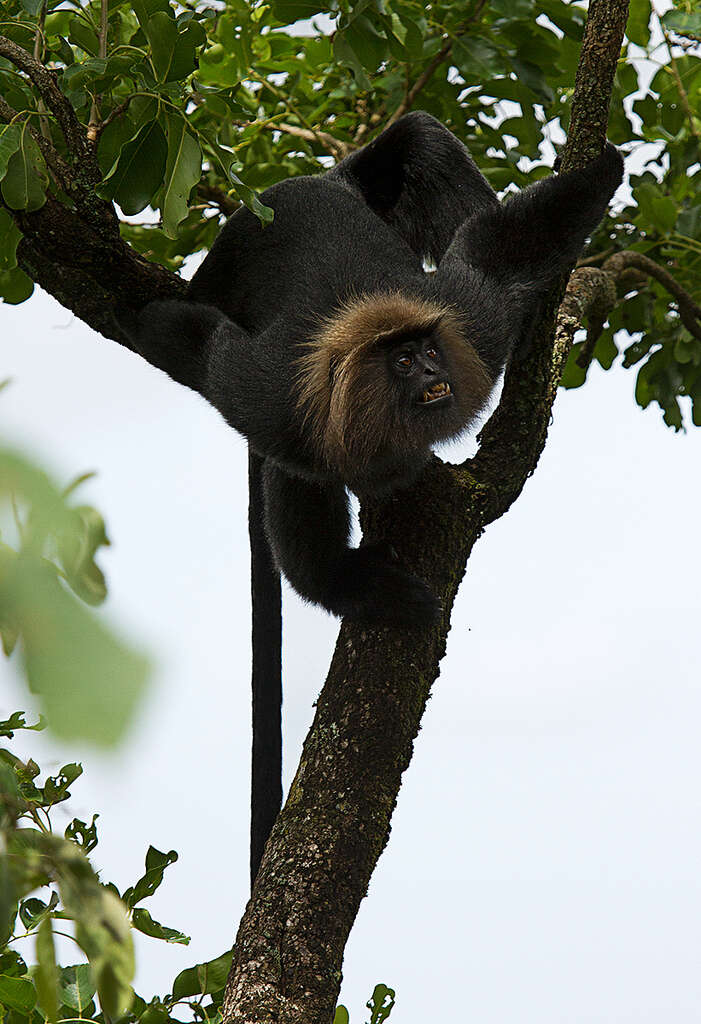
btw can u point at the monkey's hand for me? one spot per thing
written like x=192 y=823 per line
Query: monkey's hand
x=369 y=587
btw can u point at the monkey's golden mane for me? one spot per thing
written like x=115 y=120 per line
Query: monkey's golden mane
x=353 y=411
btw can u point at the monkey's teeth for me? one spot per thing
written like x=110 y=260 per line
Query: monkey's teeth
x=437 y=391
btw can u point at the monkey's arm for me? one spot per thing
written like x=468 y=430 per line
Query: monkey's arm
x=308 y=528
x=504 y=261
x=197 y=345
x=420 y=179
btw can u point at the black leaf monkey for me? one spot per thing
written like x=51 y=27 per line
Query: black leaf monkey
x=325 y=343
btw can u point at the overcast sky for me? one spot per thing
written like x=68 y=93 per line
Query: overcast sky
x=544 y=860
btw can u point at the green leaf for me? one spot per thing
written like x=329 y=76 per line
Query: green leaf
x=366 y=42
x=534 y=78
x=476 y=58
x=689 y=222
x=8 y=887
x=143 y=922
x=17 y=994
x=203 y=978
x=157 y=1013
x=656 y=208
x=12 y=964
x=10 y=235
x=156 y=863
x=25 y=180
x=82 y=834
x=341 y=1015
x=18 y=721
x=573 y=375
x=10 y=138
x=514 y=9
x=33 y=910
x=637 y=28
x=46 y=974
x=89 y=681
x=84 y=36
x=76 y=987
x=144 y=9
x=56 y=787
x=288 y=11
x=137 y=174
x=683 y=22
x=183 y=171
x=101 y=929
x=173 y=46
x=380 y=1004
x=345 y=54
x=605 y=350
x=32 y=6
x=15 y=286
x=248 y=196
x=77 y=545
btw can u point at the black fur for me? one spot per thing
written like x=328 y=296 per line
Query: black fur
x=363 y=228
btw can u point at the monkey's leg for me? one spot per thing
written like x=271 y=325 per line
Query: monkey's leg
x=503 y=261
x=174 y=335
x=200 y=347
x=308 y=527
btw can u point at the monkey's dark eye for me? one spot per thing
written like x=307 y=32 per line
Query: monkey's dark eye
x=405 y=360
x=432 y=353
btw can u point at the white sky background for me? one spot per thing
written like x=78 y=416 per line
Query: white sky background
x=544 y=859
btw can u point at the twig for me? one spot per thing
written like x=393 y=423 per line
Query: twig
x=218 y=197
x=337 y=148
x=593 y=261
x=112 y=116
x=689 y=310
x=594 y=291
x=435 y=63
x=420 y=82
x=94 y=122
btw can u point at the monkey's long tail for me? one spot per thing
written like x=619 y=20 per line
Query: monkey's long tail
x=266 y=678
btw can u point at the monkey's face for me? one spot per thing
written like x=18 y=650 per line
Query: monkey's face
x=419 y=368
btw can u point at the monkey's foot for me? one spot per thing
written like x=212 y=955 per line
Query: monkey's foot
x=371 y=589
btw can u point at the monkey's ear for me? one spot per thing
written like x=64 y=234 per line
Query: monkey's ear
x=420 y=179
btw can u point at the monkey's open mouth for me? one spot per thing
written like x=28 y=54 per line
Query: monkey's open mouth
x=437 y=392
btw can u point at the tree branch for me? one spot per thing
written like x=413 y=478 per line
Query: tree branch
x=336 y=148
x=689 y=310
x=335 y=823
x=512 y=441
x=89 y=268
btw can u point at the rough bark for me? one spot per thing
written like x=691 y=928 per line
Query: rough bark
x=336 y=821
x=85 y=264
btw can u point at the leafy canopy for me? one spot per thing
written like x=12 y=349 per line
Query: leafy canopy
x=194 y=108
x=48 y=887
